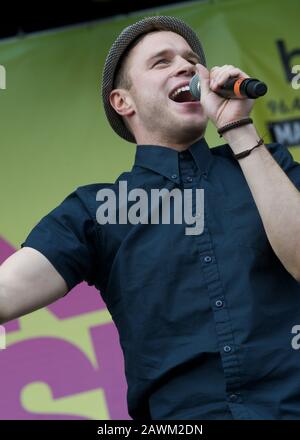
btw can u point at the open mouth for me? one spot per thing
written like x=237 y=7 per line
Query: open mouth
x=182 y=94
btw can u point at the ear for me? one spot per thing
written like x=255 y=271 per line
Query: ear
x=121 y=101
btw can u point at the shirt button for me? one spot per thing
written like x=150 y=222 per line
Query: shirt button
x=174 y=176
x=227 y=348
x=219 y=303
x=189 y=179
x=182 y=155
x=207 y=259
x=233 y=397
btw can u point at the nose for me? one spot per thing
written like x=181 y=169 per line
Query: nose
x=185 y=67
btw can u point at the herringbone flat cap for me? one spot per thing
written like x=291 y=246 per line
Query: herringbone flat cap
x=119 y=47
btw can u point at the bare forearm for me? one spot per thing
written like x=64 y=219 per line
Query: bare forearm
x=276 y=197
x=28 y=282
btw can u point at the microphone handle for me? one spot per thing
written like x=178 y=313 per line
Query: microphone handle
x=239 y=87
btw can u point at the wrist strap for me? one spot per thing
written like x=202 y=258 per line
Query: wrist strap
x=234 y=124
x=247 y=152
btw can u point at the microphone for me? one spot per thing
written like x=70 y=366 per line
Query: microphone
x=233 y=88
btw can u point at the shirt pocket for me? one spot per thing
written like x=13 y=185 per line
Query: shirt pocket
x=245 y=224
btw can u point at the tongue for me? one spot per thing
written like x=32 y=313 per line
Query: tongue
x=184 y=97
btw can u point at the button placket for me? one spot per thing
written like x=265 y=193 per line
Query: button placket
x=222 y=319
x=215 y=291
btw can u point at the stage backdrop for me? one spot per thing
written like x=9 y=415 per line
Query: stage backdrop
x=65 y=361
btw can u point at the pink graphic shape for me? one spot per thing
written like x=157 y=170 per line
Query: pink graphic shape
x=66 y=370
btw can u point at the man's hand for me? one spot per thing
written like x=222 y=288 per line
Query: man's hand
x=221 y=110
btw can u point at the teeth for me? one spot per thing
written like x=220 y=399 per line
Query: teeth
x=179 y=90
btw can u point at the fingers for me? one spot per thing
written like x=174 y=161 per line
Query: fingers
x=219 y=75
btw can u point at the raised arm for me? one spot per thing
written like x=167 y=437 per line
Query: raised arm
x=276 y=197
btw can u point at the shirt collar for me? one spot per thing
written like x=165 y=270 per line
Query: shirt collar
x=165 y=160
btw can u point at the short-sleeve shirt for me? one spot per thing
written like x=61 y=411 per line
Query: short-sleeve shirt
x=205 y=320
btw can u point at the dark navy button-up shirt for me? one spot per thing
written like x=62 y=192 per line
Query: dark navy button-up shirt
x=205 y=321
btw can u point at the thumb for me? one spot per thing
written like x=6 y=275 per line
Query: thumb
x=204 y=75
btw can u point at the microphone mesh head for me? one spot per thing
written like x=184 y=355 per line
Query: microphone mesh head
x=195 y=86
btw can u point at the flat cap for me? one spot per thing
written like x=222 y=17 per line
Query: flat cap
x=120 y=46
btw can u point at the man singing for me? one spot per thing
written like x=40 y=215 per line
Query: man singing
x=204 y=320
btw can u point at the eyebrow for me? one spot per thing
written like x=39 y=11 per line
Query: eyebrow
x=164 y=52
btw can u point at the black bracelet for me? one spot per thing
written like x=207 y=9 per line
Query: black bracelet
x=234 y=124
x=247 y=152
